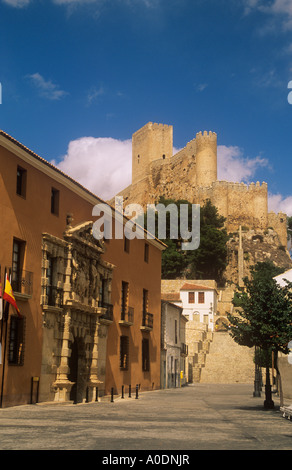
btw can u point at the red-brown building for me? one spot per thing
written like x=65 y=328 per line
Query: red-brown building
x=90 y=309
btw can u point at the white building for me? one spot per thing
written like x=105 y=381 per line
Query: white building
x=280 y=279
x=173 y=345
x=199 y=302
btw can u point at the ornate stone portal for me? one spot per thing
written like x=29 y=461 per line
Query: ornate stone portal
x=77 y=310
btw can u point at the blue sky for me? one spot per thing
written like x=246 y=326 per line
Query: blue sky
x=79 y=77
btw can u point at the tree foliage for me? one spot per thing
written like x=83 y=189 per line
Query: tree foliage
x=209 y=261
x=264 y=311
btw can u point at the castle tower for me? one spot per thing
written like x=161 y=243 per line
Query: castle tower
x=151 y=142
x=261 y=204
x=206 y=158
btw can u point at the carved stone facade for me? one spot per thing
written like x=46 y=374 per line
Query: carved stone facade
x=76 y=305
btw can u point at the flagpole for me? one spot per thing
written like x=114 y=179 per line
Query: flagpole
x=5 y=317
x=2 y=312
x=2 y=321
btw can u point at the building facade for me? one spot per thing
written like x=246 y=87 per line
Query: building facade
x=197 y=298
x=69 y=343
x=174 y=350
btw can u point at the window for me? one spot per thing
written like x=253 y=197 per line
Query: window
x=124 y=352
x=145 y=300
x=21 y=182
x=102 y=291
x=146 y=252
x=145 y=355
x=201 y=298
x=51 y=289
x=17 y=264
x=175 y=331
x=124 y=299
x=191 y=297
x=16 y=340
x=126 y=245
x=55 y=195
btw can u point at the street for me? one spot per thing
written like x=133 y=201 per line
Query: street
x=196 y=417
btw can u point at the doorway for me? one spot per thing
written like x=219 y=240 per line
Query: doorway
x=77 y=369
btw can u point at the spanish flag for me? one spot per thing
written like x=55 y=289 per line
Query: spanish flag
x=8 y=295
x=1 y=300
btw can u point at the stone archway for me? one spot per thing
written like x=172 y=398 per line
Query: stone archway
x=77 y=370
x=222 y=324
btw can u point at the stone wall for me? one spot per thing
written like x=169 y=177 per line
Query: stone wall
x=191 y=174
x=227 y=362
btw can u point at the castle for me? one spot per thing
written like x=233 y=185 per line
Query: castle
x=191 y=174
x=255 y=235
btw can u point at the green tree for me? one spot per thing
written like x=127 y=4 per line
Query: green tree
x=264 y=316
x=209 y=261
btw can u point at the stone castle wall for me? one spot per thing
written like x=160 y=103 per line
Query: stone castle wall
x=191 y=174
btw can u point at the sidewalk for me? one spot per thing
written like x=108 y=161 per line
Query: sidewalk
x=196 y=417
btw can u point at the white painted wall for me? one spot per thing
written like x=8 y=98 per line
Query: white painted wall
x=172 y=335
x=205 y=311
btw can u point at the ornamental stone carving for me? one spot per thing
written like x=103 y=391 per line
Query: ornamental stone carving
x=73 y=271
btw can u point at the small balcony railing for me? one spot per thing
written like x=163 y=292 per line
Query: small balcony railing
x=184 y=349
x=127 y=315
x=108 y=315
x=22 y=283
x=54 y=296
x=147 y=320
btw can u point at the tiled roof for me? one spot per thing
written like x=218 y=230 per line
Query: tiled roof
x=47 y=163
x=53 y=167
x=195 y=287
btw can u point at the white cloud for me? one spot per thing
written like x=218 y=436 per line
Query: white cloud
x=68 y=2
x=279 y=9
x=46 y=88
x=278 y=203
x=201 y=86
x=23 y=3
x=94 y=94
x=102 y=165
x=17 y=3
x=233 y=166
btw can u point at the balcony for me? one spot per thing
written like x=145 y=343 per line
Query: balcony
x=54 y=296
x=22 y=284
x=184 y=349
x=127 y=316
x=147 y=321
x=108 y=314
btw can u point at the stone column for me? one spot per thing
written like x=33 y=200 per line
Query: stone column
x=62 y=384
x=240 y=259
x=94 y=381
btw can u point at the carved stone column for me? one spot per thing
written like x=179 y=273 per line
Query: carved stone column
x=62 y=385
x=94 y=381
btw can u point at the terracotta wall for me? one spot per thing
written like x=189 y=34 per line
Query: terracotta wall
x=131 y=268
x=27 y=218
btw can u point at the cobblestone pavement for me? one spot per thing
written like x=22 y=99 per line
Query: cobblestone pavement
x=196 y=417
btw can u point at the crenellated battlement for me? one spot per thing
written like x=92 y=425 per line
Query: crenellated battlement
x=241 y=186
x=159 y=126
x=206 y=136
x=192 y=174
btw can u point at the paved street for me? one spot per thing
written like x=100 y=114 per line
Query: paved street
x=197 y=417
